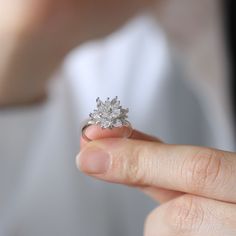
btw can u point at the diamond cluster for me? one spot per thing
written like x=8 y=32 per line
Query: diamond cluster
x=109 y=114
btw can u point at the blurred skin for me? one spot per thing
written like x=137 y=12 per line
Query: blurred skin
x=195 y=185
x=35 y=35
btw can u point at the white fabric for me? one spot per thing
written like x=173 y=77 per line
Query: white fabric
x=42 y=193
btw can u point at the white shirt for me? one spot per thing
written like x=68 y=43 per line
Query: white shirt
x=42 y=192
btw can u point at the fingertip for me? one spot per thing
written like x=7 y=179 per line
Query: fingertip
x=83 y=142
x=95 y=132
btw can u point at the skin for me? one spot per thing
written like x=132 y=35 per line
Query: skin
x=195 y=185
x=35 y=36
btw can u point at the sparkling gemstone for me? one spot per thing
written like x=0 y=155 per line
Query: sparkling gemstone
x=109 y=114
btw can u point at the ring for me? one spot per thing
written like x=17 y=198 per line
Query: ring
x=108 y=115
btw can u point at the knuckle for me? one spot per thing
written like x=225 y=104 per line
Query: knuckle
x=131 y=166
x=185 y=215
x=204 y=170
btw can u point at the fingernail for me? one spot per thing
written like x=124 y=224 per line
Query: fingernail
x=93 y=160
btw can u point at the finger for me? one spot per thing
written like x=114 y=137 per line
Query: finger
x=193 y=216
x=95 y=132
x=158 y=194
x=200 y=171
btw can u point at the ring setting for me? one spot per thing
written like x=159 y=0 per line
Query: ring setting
x=108 y=115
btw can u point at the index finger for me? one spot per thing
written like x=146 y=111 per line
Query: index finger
x=196 y=170
x=95 y=132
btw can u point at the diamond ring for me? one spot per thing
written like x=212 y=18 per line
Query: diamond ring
x=108 y=115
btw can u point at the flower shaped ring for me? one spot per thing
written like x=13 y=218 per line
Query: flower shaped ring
x=108 y=115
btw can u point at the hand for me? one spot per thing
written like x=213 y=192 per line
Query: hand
x=196 y=185
x=35 y=35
